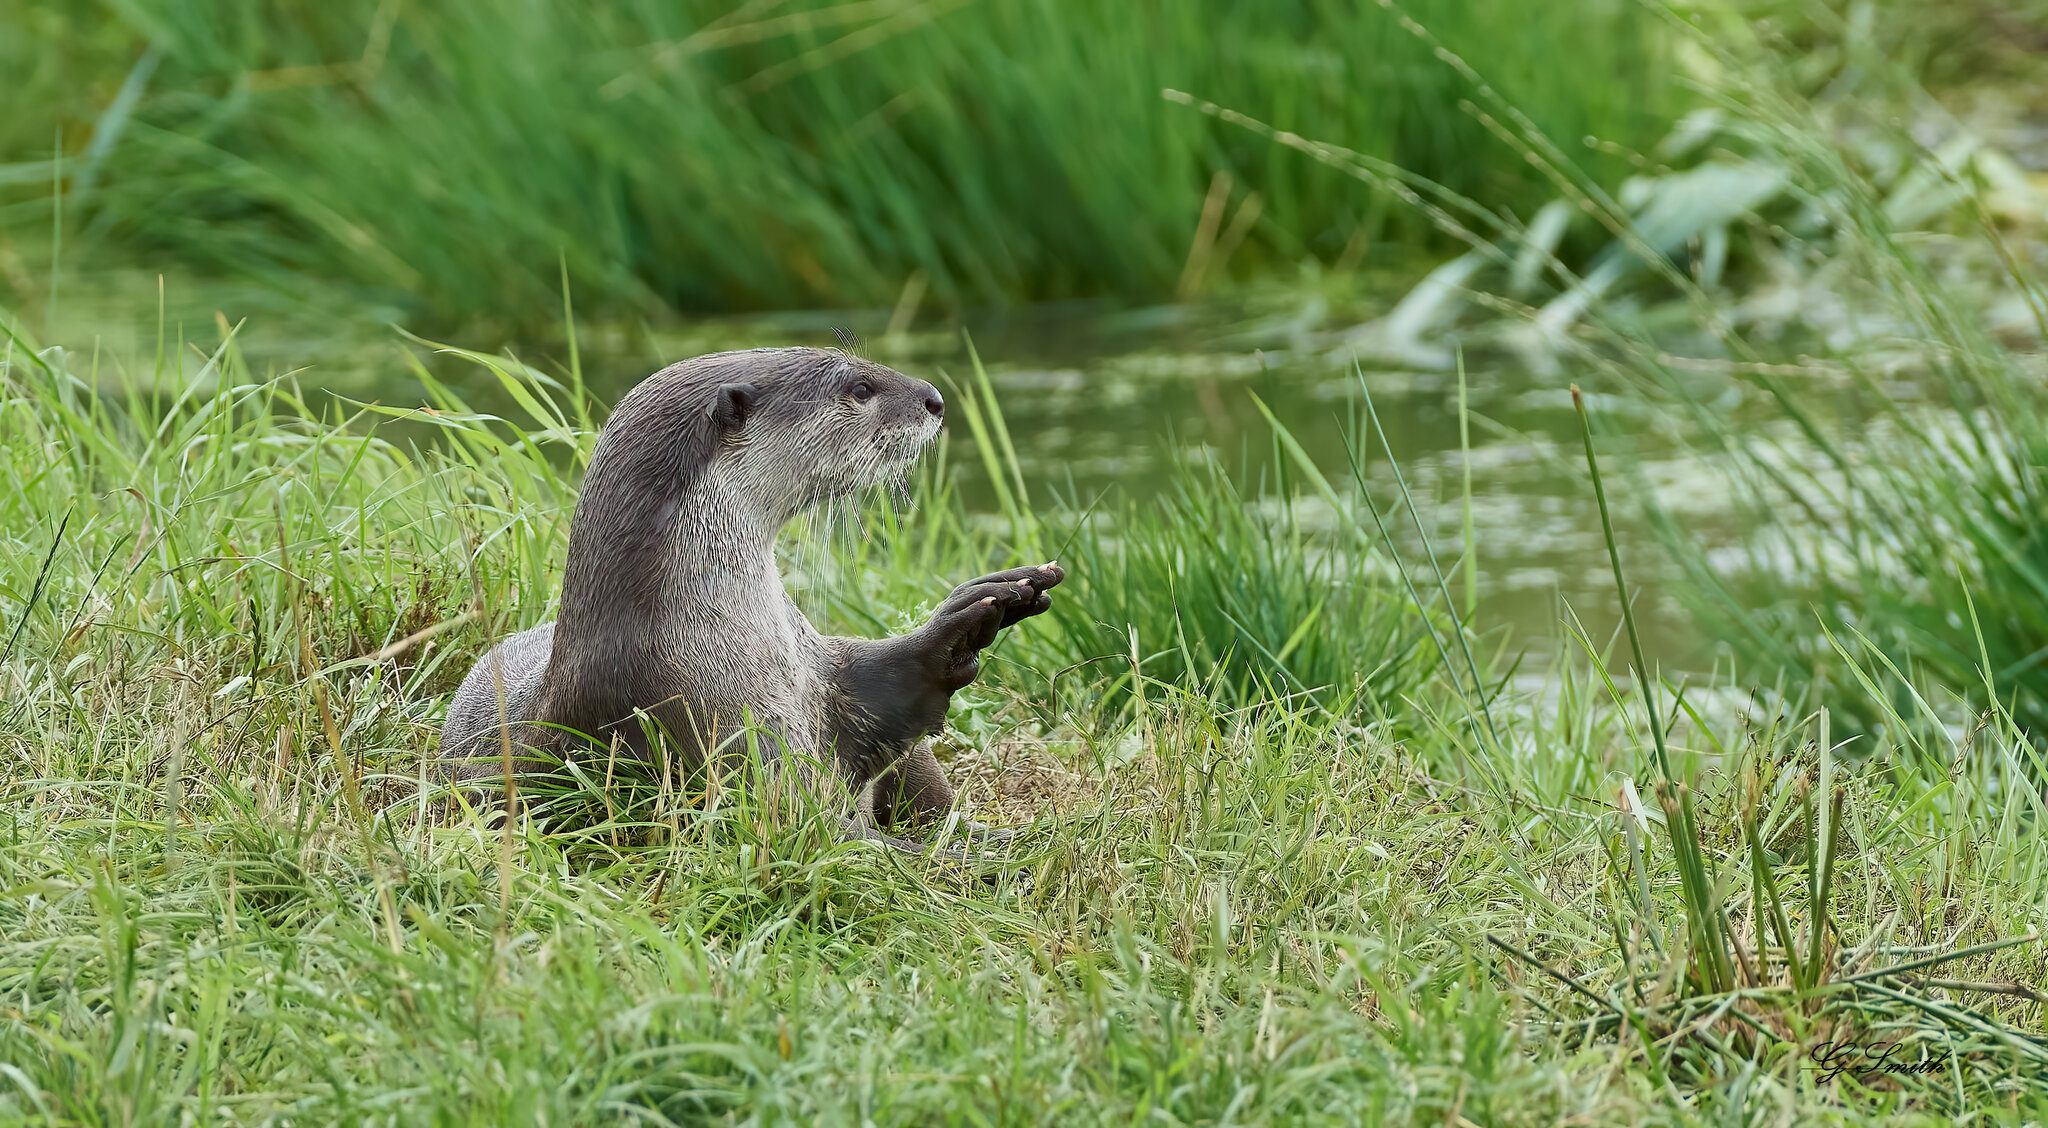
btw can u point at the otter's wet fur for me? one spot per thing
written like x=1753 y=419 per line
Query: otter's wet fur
x=674 y=621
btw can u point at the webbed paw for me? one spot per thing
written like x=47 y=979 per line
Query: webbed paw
x=968 y=621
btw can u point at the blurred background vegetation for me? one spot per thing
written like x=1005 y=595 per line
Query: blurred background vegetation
x=443 y=162
x=718 y=156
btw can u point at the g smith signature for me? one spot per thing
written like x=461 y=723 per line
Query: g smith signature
x=1833 y=1059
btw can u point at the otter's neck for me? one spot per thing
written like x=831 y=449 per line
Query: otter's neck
x=653 y=542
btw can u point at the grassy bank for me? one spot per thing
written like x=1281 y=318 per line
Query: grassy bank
x=233 y=617
x=440 y=159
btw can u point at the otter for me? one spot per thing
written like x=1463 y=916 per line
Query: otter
x=674 y=623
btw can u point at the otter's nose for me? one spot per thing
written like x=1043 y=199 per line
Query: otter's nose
x=934 y=402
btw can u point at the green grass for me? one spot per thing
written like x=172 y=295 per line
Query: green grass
x=237 y=612
x=1891 y=481
x=1913 y=523
x=1284 y=599
x=439 y=160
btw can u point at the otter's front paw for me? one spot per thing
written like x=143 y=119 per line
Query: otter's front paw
x=971 y=617
x=1040 y=578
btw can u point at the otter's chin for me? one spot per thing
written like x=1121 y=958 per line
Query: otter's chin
x=888 y=468
x=890 y=471
x=898 y=449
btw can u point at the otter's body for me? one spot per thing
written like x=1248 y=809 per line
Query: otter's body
x=673 y=611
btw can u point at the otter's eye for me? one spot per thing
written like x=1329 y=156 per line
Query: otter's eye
x=862 y=392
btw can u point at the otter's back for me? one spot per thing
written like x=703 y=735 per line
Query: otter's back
x=470 y=744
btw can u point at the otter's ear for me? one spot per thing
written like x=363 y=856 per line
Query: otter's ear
x=733 y=404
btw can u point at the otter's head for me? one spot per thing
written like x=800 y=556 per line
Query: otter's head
x=759 y=435
x=792 y=427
